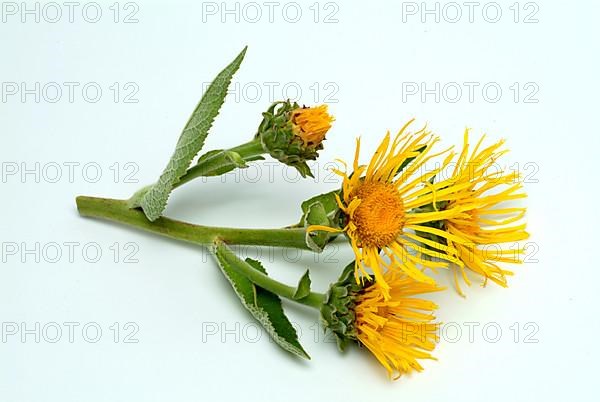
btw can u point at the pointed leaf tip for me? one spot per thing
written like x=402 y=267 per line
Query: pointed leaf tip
x=303 y=288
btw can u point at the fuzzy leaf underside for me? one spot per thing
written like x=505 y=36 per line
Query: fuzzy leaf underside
x=190 y=142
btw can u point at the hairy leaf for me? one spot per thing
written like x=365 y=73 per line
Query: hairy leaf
x=190 y=142
x=263 y=305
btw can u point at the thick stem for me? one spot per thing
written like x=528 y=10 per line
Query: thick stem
x=118 y=211
x=219 y=162
x=313 y=299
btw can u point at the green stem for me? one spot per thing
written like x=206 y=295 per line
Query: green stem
x=313 y=299
x=118 y=211
x=220 y=162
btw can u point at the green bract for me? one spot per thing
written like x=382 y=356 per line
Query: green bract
x=337 y=312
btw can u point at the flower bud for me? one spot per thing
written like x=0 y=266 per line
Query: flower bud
x=293 y=134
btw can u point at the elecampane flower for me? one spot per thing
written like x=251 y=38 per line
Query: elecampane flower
x=382 y=209
x=399 y=330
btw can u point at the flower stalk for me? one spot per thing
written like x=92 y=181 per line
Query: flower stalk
x=221 y=161
x=119 y=211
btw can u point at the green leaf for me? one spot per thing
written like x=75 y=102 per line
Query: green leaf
x=190 y=142
x=262 y=304
x=236 y=159
x=233 y=160
x=316 y=214
x=136 y=199
x=328 y=202
x=303 y=288
x=209 y=155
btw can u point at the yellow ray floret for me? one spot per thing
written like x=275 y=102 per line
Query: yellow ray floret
x=311 y=124
x=398 y=330
x=488 y=232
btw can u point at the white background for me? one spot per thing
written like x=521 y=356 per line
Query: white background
x=360 y=57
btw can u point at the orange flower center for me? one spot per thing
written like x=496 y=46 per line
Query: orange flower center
x=311 y=124
x=380 y=216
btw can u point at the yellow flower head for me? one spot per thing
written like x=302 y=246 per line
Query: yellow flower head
x=311 y=124
x=483 y=223
x=381 y=210
x=398 y=330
